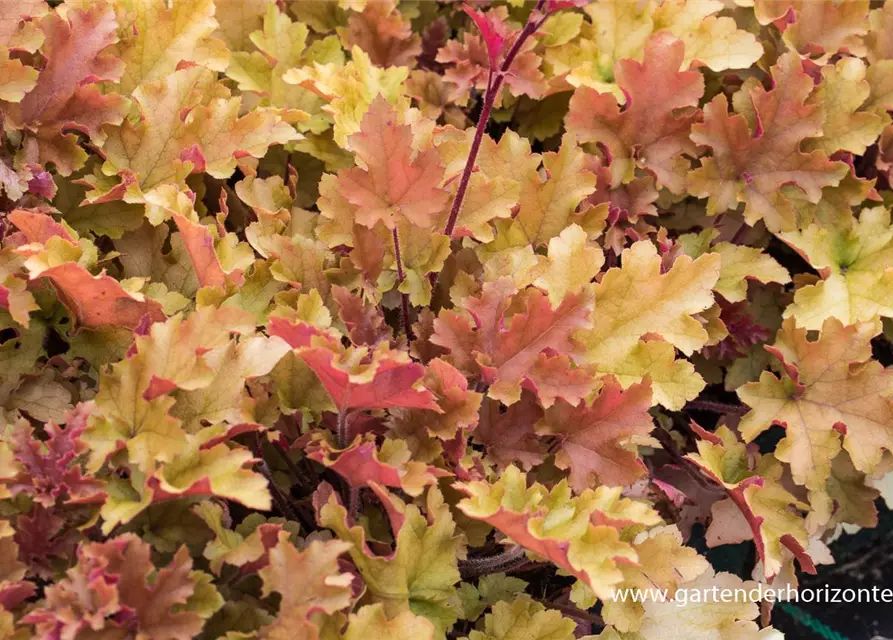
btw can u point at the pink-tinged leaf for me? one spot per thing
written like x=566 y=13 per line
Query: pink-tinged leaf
x=398 y=182
x=44 y=541
x=509 y=436
x=324 y=588
x=460 y=407
x=365 y=322
x=49 y=471
x=41 y=183
x=599 y=441
x=357 y=377
x=66 y=96
x=199 y=244
x=506 y=351
x=115 y=588
x=74 y=59
x=493 y=39
x=554 y=376
x=368 y=253
x=755 y=157
x=557 y=5
x=649 y=128
x=382 y=31
x=100 y=301
x=363 y=464
x=12 y=595
x=35 y=226
x=457 y=336
x=473 y=61
x=389 y=381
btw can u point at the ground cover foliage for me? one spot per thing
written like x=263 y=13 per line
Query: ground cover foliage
x=358 y=319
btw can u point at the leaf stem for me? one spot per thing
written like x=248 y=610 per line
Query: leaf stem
x=292 y=467
x=669 y=445
x=350 y=493
x=353 y=502
x=574 y=612
x=739 y=233
x=715 y=407
x=494 y=86
x=498 y=563
x=401 y=275
x=280 y=499
x=342 y=432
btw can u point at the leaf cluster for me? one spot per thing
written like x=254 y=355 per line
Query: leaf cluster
x=412 y=320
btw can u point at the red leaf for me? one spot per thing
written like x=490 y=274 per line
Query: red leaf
x=295 y=334
x=557 y=5
x=357 y=377
x=361 y=466
x=14 y=594
x=490 y=33
x=392 y=384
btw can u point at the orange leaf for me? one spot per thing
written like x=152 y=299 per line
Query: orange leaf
x=99 y=301
x=649 y=127
x=507 y=351
x=755 y=155
x=66 y=96
x=200 y=246
x=381 y=31
x=396 y=181
x=598 y=441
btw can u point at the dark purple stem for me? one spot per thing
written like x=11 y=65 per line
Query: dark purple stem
x=715 y=407
x=401 y=275
x=501 y=562
x=739 y=233
x=342 y=432
x=351 y=493
x=494 y=86
x=574 y=612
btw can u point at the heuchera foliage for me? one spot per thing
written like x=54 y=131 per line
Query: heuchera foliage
x=358 y=319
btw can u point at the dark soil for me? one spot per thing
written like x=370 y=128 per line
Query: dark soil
x=864 y=560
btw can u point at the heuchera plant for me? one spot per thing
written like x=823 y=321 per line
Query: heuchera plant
x=358 y=319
